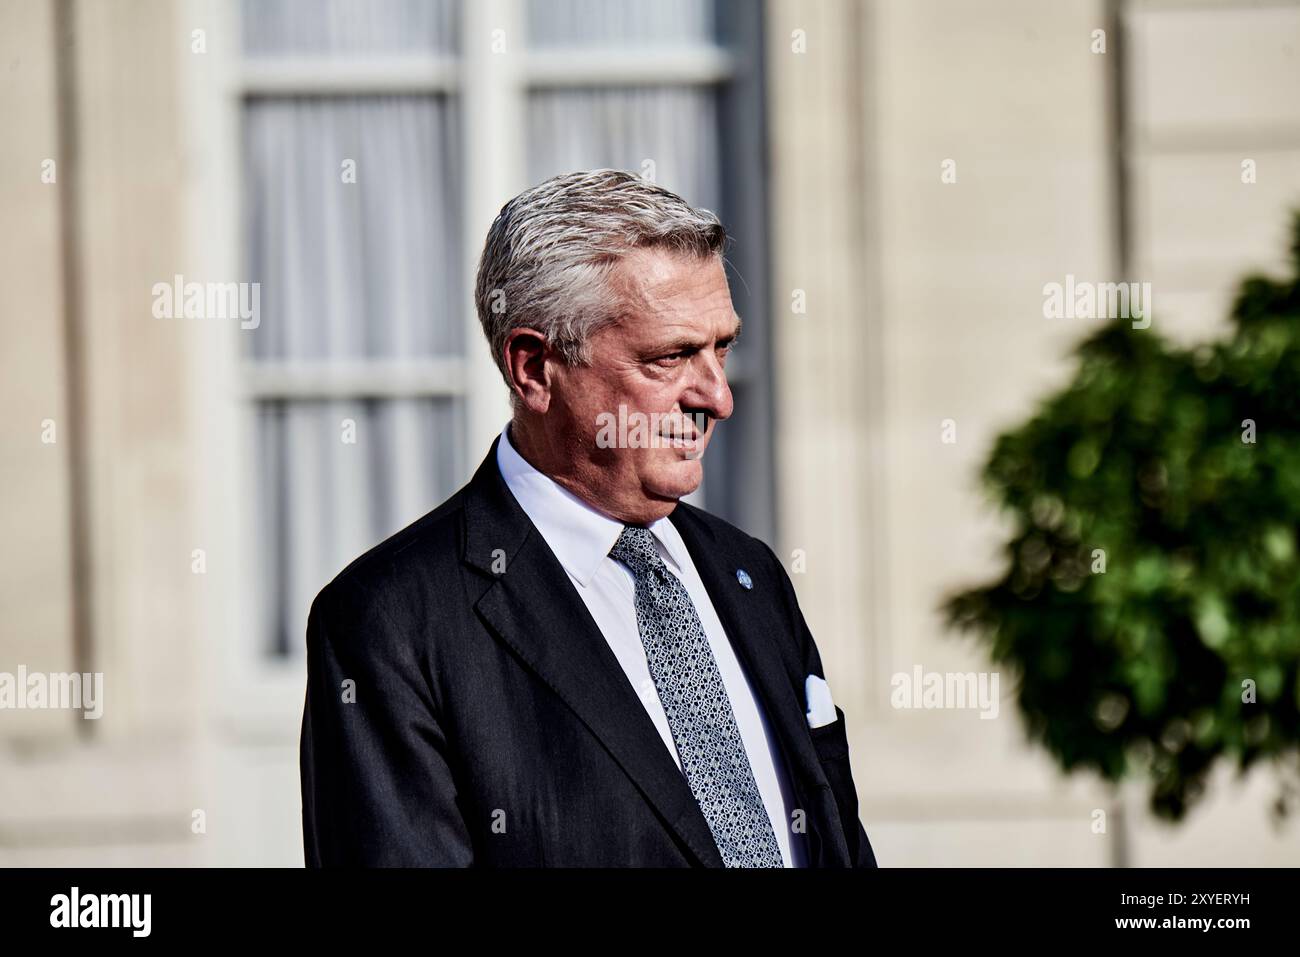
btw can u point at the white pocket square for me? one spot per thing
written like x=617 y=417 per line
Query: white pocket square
x=821 y=709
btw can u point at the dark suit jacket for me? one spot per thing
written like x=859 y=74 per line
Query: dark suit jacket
x=493 y=726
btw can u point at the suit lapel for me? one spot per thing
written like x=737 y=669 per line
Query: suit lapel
x=758 y=635
x=534 y=608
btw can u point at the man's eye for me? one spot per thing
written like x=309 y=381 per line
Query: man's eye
x=671 y=359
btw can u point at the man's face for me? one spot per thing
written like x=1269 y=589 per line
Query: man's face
x=666 y=355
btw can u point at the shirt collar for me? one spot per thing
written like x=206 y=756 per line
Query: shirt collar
x=579 y=534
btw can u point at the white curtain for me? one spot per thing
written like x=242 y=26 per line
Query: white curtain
x=669 y=133
x=357 y=27
x=354 y=270
x=349 y=271
x=322 y=502
x=566 y=23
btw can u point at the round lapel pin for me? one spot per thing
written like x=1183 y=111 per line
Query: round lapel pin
x=742 y=576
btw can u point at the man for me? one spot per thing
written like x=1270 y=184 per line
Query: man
x=563 y=664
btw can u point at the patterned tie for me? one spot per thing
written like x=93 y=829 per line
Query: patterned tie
x=699 y=712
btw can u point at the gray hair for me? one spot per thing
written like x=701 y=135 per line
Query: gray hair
x=551 y=251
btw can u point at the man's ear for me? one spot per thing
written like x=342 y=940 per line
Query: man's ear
x=525 y=354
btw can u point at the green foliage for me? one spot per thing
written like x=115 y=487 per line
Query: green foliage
x=1146 y=456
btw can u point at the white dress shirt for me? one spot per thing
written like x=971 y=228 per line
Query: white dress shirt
x=581 y=537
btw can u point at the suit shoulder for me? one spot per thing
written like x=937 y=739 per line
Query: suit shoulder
x=727 y=535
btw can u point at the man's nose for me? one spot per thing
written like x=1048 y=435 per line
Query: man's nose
x=709 y=391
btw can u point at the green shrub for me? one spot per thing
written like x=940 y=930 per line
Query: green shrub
x=1150 y=607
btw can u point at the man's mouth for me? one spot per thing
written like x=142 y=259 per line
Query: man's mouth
x=682 y=439
x=691 y=444
x=685 y=432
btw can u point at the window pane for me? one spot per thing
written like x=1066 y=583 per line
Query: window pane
x=351 y=267
x=673 y=128
x=349 y=27
x=349 y=270
x=620 y=22
x=334 y=478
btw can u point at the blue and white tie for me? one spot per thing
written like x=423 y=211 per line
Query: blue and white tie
x=699 y=713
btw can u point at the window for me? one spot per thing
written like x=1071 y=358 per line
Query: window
x=378 y=139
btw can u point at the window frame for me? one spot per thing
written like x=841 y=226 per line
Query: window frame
x=493 y=90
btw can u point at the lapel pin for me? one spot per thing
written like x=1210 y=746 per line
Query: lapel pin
x=742 y=576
